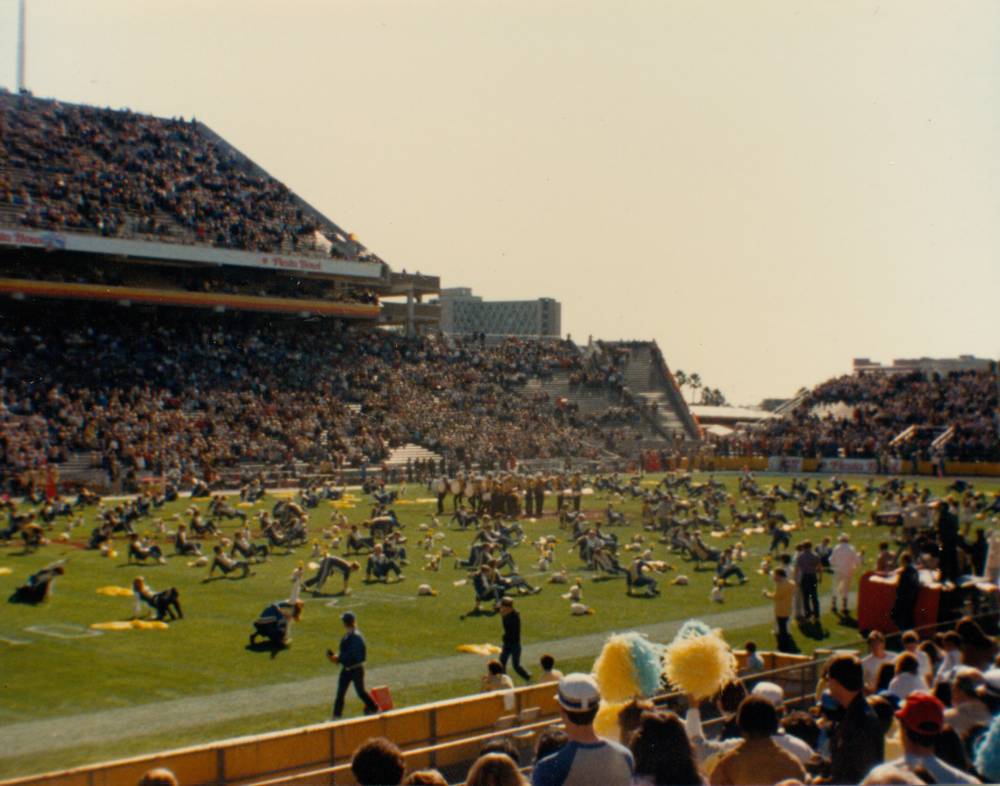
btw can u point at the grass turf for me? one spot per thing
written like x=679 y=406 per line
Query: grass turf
x=54 y=667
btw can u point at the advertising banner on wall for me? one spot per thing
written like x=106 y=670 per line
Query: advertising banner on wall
x=151 y=249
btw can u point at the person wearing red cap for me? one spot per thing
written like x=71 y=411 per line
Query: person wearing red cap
x=921 y=719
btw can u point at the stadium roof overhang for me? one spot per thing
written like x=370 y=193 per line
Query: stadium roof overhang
x=366 y=273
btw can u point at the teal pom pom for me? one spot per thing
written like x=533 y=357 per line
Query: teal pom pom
x=692 y=629
x=647 y=658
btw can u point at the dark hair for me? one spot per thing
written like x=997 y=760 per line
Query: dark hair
x=663 y=751
x=495 y=667
x=547 y=662
x=584 y=718
x=847 y=670
x=159 y=776
x=630 y=715
x=926 y=740
x=910 y=637
x=504 y=745
x=906 y=663
x=757 y=718
x=884 y=676
x=750 y=646
x=550 y=741
x=730 y=696
x=884 y=710
x=378 y=762
x=781 y=572
x=802 y=725
x=931 y=650
x=972 y=635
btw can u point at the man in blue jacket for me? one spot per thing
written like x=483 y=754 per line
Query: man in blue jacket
x=351 y=658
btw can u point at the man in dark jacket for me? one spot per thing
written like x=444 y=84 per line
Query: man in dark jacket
x=512 y=638
x=351 y=658
x=857 y=743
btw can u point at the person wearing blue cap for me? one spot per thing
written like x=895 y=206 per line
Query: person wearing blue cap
x=351 y=657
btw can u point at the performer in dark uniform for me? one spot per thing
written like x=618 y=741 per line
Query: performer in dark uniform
x=351 y=658
x=512 y=638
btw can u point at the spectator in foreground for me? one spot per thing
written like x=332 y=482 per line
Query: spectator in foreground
x=497 y=680
x=495 y=769
x=549 y=672
x=663 y=752
x=891 y=775
x=504 y=745
x=876 y=657
x=755 y=664
x=907 y=677
x=775 y=694
x=857 y=743
x=158 y=777
x=922 y=719
x=586 y=758
x=967 y=709
x=549 y=741
x=758 y=759
x=378 y=762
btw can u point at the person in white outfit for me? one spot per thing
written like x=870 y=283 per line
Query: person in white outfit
x=845 y=561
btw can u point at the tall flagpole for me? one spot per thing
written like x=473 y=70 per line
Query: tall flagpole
x=20 y=46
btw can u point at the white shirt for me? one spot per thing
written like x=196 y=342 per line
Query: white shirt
x=941 y=772
x=904 y=684
x=844 y=558
x=551 y=676
x=871 y=665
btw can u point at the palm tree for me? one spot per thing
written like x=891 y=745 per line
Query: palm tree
x=681 y=379
x=695 y=381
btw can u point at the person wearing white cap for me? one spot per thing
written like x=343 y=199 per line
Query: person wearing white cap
x=775 y=694
x=844 y=561
x=586 y=758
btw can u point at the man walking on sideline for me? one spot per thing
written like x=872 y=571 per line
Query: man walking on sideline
x=351 y=658
x=512 y=638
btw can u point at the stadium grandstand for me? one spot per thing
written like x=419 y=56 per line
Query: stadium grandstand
x=308 y=352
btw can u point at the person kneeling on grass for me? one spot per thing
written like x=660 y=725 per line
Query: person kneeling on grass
x=227 y=564
x=165 y=603
x=247 y=549
x=380 y=566
x=637 y=577
x=275 y=622
x=327 y=566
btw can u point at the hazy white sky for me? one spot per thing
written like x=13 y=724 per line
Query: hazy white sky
x=767 y=188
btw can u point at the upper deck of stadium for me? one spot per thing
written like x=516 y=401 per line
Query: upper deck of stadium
x=118 y=205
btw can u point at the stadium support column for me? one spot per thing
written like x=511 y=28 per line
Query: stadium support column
x=21 y=22
x=409 y=312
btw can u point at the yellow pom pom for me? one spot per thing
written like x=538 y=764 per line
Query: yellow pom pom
x=606 y=722
x=615 y=672
x=699 y=665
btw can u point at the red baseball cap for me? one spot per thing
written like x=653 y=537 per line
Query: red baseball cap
x=922 y=713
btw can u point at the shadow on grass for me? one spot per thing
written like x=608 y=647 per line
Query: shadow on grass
x=813 y=630
x=266 y=646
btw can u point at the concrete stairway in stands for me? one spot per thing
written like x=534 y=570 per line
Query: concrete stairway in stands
x=79 y=468
x=410 y=452
x=646 y=380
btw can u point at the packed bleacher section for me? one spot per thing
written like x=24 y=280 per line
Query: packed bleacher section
x=160 y=392
x=879 y=415
x=119 y=173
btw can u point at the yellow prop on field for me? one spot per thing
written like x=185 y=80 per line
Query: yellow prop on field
x=4 y=571
x=425 y=500
x=479 y=649
x=117 y=625
x=343 y=504
x=115 y=592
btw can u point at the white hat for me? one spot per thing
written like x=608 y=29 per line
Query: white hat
x=578 y=693
x=991 y=683
x=771 y=691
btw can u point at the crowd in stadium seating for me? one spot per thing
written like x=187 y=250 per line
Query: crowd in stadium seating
x=166 y=393
x=118 y=172
x=928 y=714
x=876 y=408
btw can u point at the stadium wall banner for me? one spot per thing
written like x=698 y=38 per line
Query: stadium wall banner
x=829 y=465
x=784 y=464
x=151 y=249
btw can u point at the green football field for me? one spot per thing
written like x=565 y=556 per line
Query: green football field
x=71 y=694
